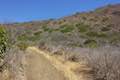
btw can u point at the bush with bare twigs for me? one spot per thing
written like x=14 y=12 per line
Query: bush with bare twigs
x=103 y=61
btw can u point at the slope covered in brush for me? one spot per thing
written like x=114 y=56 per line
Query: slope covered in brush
x=88 y=29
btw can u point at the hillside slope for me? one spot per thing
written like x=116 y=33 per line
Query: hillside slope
x=88 y=29
x=92 y=37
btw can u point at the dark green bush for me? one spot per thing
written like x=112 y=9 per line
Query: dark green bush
x=37 y=33
x=90 y=43
x=105 y=29
x=34 y=38
x=23 y=37
x=3 y=41
x=46 y=29
x=92 y=34
x=82 y=27
x=115 y=38
x=105 y=19
x=96 y=34
x=66 y=28
x=22 y=45
x=50 y=30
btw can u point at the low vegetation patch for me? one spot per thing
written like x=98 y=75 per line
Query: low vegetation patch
x=3 y=41
x=37 y=33
x=22 y=45
x=66 y=28
x=23 y=37
x=91 y=43
x=96 y=34
x=46 y=29
x=82 y=27
x=4 y=46
x=104 y=63
x=105 y=29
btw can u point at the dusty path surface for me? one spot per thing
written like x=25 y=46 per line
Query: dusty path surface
x=40 y=65
x=39 y=68
x=36 y=64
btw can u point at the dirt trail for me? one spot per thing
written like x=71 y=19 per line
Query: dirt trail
x=42 y=66
x=39 y=68
x=39 y=65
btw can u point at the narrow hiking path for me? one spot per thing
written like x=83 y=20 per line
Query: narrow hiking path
x=41 y=66
x=36 y=64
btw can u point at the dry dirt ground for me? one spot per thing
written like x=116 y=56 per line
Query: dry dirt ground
x=39 y=68
x=39 y=65
x=43 y=66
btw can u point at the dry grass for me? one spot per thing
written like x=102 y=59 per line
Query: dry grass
x=103 y=61
x=13 y=65
x=70 y=69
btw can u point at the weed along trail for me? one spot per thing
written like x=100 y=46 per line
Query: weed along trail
x=41 y=66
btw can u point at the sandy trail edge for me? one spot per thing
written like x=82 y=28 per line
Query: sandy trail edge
x=68 y=68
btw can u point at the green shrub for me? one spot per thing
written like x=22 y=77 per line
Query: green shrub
x=99 y=10
x=37 y=33
x=23 y=37
x=34 y=38
x=46 y=29
x=115 y=38
x=66 y=28
x=105 y=29
x=96 y=34
x=90 y=43
x=50 y=30
x=105 y=19
x=84 y=17
x=102 y=35
x=82 y=27
x=3 y=41
x=22 y=45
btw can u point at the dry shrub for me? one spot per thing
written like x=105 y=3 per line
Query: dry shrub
x=14 y=60
x=105 y=63
x=64 y=52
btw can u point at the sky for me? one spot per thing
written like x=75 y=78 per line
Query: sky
x=29 y=10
